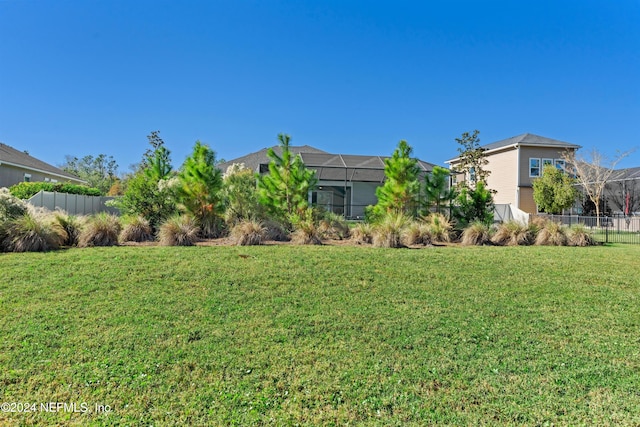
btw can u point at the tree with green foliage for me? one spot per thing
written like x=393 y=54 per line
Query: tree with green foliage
x=149 y=191
x=439 y=195
x=401 y=188
x=472 y=160
x=475 y=204
x=99 y=172
x=241 y=194
x=199 y=189
x=554 y=190
x=284 y=191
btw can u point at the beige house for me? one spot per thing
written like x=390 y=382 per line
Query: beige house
x=515 y=162
x=17 y=166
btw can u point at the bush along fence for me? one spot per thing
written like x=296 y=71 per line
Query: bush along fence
x=612 y=229
x=73 y=204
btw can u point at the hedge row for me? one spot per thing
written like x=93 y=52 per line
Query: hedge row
x=25 y=190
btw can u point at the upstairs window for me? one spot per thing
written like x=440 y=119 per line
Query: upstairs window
x=560 y=164
x=472 y=174
x=534 y=168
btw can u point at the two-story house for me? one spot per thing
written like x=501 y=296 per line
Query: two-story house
x=515 y=162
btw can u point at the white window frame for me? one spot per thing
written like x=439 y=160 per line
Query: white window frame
x=544 y=163
x=27 y=177
x=531 y=159
x=558 y=162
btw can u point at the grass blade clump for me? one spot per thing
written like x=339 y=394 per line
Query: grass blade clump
x=362 y=233
x=440 y=227
x=551 y=234
x=580 y=235
x=477 y=233
x=333 y=226
x=179 y=231
x=512 y=233
x=275 y=231
x=248 y=233
x=388 y=231
x=101 y=229
x=417 y=233
x=136 y=229
x=31 y=232
x=71 y=224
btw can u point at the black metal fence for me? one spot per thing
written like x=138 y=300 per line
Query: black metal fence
x=605 y=229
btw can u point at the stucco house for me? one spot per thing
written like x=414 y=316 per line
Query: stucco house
x=17 y=166
x=515 y=162
x=346 y=183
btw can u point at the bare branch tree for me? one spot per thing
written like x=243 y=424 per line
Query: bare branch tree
x=593 y=172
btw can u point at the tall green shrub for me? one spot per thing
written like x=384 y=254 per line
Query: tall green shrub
x=150 y=191
x=199 y=189
x=241 y=194
x=439 y=195
x=284 y=191
x=401 y=187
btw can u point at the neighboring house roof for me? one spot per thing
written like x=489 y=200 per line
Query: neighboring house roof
x=526 y=139
x=329 y=167
x=254 y=160
x=625 y=174
x=13 y=157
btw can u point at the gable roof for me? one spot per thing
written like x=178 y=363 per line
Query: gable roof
x=254 y=160
x=526 y=140
x=328 y=166
x=530 y=140
x=13 y=157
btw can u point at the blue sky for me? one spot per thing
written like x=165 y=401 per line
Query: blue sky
x=352 y=77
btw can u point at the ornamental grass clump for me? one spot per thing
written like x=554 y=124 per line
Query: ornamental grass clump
x=248 y=233
x=362 y=233
x=10 y=206
x=31 y=232
x=388 y=230
x=439 y=227
x=136 y=229
x=417 y=233
x=333 y=226
x=552 y=234
x=305 y=229
x=276 y=231
x=179 y=231
x=579 y=235
x=513 y=233
x=71 y=224
x=101 y=229
x=476 y=234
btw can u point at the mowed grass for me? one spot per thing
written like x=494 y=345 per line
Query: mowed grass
x=286 y=335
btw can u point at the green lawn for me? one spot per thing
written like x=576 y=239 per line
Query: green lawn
x=284 y=335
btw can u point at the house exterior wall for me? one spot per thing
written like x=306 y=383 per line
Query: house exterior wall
x=503 y=177
x=526 y=200
x=11 y=175
x=527 y=153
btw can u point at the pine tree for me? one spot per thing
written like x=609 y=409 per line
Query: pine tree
x=285 y=190
x=438 y=193
x=401 y=187
x=199 y=189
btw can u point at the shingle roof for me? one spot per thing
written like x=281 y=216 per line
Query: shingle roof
x=624 y=174
x=529 y=139
x=328 y=166
x=526 y=139
x=15 y=157
x=254 y=160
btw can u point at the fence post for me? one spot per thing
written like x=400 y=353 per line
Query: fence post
x=606 y=232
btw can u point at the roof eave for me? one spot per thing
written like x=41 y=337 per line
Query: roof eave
x=3 y=162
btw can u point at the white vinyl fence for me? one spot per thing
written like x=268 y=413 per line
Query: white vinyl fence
x=503 y=213
x=73 y=204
